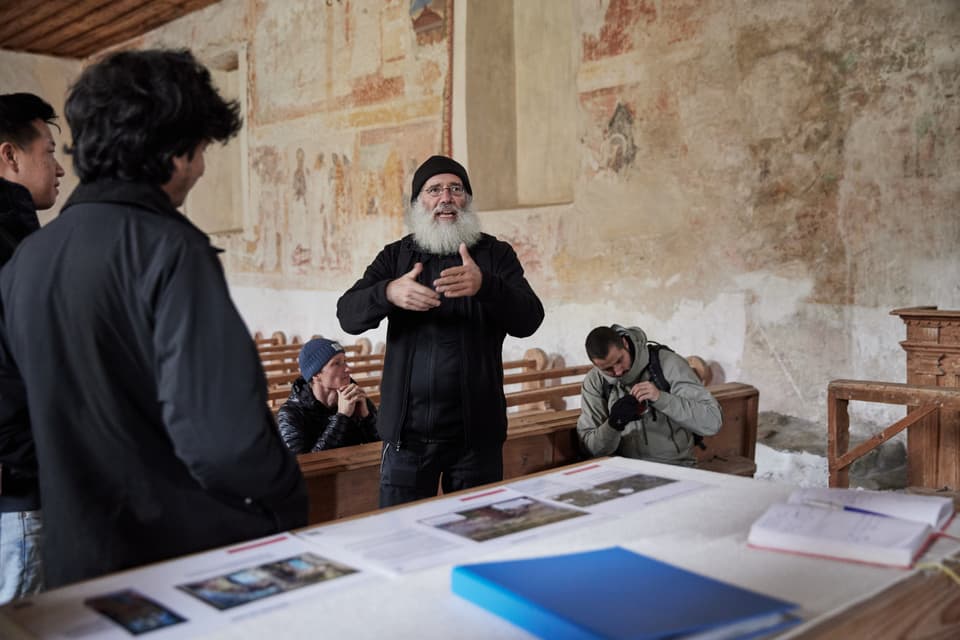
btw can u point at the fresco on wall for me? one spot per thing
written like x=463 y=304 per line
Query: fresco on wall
x=323 y=209
x=315 y=219
x=622 y=23
x=318 y=58
x=628 y=125
x=618 y=150
x=753 y=175
x=428 y=20
x=346 y=99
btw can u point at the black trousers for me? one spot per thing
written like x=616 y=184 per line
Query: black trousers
x=418 y=468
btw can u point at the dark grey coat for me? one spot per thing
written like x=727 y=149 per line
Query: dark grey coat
x=146 y=394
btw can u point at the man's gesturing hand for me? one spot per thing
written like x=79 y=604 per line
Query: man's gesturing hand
x=405 y=292
x=458 y=282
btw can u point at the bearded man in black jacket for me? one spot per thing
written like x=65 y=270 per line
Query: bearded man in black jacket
x=146 y=395
x=451 y=293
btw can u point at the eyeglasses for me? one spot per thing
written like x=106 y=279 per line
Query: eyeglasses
x=436 y=190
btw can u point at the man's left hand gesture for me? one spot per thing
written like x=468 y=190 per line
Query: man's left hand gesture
x=459 y=282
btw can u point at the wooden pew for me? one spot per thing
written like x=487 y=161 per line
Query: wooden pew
x=282 y=361
x=344 y=482
x=278 y=347
x=277 y=337
x=280 y=382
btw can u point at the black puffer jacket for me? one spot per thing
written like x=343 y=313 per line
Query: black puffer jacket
x=306 y=424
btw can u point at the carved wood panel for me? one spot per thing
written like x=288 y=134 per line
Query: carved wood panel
x=933 y=358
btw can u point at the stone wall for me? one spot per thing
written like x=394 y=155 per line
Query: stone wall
x=757 y=181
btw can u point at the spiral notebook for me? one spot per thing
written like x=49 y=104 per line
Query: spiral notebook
x=875 y=527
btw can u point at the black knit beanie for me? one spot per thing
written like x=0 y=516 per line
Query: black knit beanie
x=436 y=165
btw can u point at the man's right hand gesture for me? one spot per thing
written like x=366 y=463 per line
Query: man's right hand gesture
x=405 y=292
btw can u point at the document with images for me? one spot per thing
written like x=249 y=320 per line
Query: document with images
x=605 y=486
x=445 y=530
x=188 y=596
x=882 y=528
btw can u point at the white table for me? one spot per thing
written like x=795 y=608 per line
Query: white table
x=703 y=531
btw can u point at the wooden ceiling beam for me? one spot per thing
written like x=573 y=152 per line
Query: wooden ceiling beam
x=99 y=24
x=121 y=28
x=18 y=17
x=130 y=24
x=72 y=19
x=80 y=28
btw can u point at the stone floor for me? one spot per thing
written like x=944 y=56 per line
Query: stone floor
x=883 y=468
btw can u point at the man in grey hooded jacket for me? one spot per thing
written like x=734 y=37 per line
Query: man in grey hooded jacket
x=624 y=413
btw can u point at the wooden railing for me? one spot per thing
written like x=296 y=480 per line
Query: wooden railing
x=924 y=448
x=368 y=372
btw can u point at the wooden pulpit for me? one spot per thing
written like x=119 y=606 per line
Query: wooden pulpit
x=933 y=359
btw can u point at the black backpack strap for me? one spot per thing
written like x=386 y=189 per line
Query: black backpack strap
x=660 y=381
x=656 y=371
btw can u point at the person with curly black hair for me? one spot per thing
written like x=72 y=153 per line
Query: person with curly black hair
x=146 y=395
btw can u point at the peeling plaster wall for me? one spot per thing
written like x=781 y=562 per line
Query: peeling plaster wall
x=760 y=182
x=47 y=77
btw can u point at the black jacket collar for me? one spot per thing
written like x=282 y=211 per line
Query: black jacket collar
x=17 y=211
x=139 y=194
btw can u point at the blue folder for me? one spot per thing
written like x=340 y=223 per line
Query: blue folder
x=616 y=593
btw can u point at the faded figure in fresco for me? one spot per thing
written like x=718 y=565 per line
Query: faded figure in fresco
x=451 y=294
x=323 y=231
x=298 y=222
x=316 y=233
x=341 y=197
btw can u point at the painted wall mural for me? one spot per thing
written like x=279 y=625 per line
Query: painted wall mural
x=760 y=181
x=429 y=19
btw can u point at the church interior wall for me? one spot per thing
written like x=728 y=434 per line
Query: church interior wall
x=758 y=182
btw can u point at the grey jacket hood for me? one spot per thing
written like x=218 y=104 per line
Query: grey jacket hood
x=641 y=357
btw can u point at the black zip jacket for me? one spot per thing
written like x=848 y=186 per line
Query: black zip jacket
x=306 y=424
x=19 y=490
x=146 y=395
x=505 y=304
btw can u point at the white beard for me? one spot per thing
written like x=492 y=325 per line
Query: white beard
x=443 y=238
